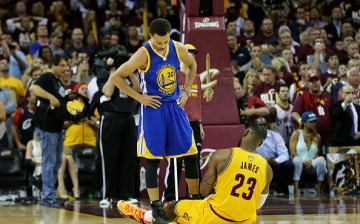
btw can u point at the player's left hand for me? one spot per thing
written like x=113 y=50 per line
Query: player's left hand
x=182 y=99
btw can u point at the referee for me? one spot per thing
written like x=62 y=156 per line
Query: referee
x=117 y=137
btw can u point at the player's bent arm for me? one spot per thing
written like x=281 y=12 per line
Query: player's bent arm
x=108 y=88
x=217 y=164
x=137 y=60
x=190 y=62
x=262 y=111
x=135 y=83
x=265 y=192
x=209 y=179
x=40 y=92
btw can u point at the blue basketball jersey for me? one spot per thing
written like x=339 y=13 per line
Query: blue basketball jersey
x=160 y=76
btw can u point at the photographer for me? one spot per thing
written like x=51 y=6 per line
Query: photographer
x=249 y=107
x=117 y=136
x=48 y=120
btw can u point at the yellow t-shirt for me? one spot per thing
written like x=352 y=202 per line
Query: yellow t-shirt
x=239 y=186
x=79 y=134
x=15 y=86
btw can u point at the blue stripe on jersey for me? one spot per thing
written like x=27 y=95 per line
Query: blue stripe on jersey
x=161 y=77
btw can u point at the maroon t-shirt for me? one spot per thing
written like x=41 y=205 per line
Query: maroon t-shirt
x=193 y=104
x=304 y=51
x=253 y=101
x=307 y=102
x=325 y=76
x=267 y=93
x=288 y=78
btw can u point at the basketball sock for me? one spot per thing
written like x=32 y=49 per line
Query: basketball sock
x=148 y=216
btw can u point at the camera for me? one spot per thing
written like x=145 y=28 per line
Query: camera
x=119 y=54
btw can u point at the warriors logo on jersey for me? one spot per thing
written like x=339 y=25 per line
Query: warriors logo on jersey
x=166 y=79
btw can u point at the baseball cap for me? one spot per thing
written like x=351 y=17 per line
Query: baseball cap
x=78 y=85
x=308 y=116
x=273 y=41
x=313 y=76
x=191 y=48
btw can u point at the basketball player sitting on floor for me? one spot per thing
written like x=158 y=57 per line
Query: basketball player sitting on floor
x=242 y=180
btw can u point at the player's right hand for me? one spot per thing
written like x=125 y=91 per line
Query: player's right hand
x=150 y=101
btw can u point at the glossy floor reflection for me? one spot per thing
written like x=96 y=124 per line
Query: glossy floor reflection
x=280 y=210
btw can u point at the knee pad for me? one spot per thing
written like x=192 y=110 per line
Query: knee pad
x=191 y=167
x=151 y=173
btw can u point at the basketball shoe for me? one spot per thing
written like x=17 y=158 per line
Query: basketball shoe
x=129 y=210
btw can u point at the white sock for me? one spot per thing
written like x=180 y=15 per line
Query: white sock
x=148 y=216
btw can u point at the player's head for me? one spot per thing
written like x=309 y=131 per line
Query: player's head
x=254 y=136
x=159 y=26
x=160 y=33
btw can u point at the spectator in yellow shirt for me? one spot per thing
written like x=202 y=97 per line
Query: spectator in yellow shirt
x=13 y=84
x=79 y=134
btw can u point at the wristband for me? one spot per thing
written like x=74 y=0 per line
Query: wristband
x=299 y=121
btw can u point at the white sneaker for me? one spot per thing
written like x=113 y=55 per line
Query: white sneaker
x=133 y=201
x=105 y=203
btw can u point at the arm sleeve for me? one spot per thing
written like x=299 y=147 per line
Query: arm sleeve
x=21 y=90
x=298 y=105
x=258 y=103
x=338 y=109
x=257 y=90
x=10 y=25
x=262 y=200
x=9 y=103
x=17 y=116
x=22 y=56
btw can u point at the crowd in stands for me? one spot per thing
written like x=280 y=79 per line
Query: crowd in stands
x=290 y=61
x=304 y=56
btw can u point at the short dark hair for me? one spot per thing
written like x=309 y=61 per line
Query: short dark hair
x=302 y=63
x=35 y=68
x=4 y=57
x=271 y=68
x=329 y=55
x=160 y=26
x=81 y=51
x=283 y=85
x=56 y=59
x=258 y=130
x=231 y=33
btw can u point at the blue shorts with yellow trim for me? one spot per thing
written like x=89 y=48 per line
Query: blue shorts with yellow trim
x=165 y=131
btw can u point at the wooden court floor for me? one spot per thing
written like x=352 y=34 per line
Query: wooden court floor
x=277 y=210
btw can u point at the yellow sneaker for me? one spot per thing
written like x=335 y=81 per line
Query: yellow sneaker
x=129 y=210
